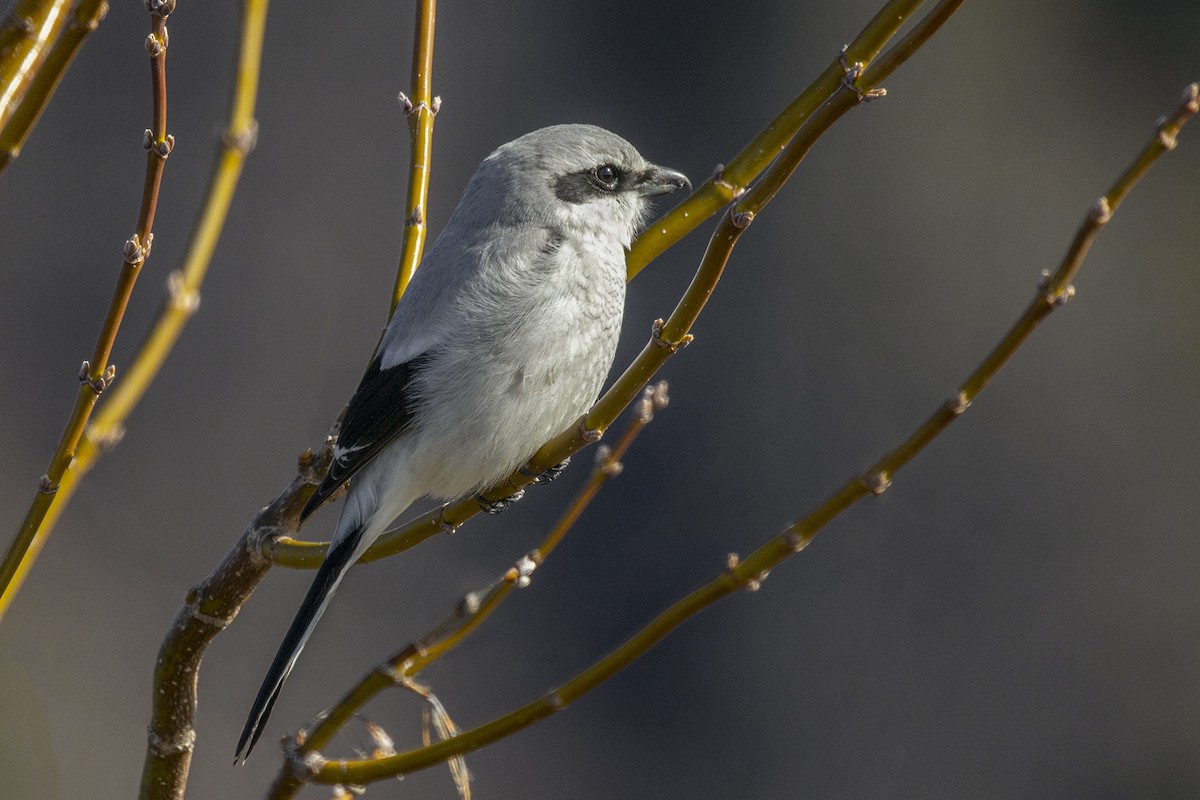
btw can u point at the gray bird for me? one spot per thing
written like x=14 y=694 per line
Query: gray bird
x=504 y=338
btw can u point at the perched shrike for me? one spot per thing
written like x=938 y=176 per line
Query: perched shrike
x=503 y=338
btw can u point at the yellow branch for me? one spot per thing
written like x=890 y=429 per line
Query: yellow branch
x=420 y=109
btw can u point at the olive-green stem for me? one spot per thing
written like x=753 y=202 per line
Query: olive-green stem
x=96 y=374
x=748 y=573
x=26 y=35
x=420 y=124
x=470 y=614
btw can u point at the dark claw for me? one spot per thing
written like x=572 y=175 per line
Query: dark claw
x=549 y=475
x=496 y=506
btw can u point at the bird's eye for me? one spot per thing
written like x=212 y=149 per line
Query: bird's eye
x=607 y=176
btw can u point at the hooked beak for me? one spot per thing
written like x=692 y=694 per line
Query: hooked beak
x=654 y=180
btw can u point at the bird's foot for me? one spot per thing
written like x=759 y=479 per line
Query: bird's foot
x=496 y=506
x=541 y=479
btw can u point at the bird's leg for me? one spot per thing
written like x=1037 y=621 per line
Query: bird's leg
x=496 y=506
x=542 y=478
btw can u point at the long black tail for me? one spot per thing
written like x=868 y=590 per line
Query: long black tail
x=340 y=557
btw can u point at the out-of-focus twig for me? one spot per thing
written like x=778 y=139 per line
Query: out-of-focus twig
x=748 y=573
x=15 y=127
x=26 y=35
x=96 y=374
x=403 y=667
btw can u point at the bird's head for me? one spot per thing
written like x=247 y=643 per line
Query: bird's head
x=577 y=177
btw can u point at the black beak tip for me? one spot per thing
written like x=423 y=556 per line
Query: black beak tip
x=661 y=180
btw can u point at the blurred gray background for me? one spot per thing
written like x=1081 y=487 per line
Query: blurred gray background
x=1019 y=616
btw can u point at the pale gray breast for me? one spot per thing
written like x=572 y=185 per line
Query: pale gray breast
x=535 y=338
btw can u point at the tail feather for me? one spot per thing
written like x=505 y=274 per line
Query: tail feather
x=342 y=555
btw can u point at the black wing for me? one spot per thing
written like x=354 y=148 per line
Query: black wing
x=382 y=408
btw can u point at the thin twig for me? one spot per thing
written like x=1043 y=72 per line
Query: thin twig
x=749 y=573
x=402 y=667
x=96 y=374
x=420 y=108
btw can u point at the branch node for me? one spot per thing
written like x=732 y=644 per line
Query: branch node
x=101 y=381
x=555 y=700
x=180 y=297
x=243 y=139
x=46 y=486
x=409 y=107
x=1166 y=137
x=794 y=541
x=23 y=24
x=604 y=465
x=155 y=47
x=311 y=763
x=183 y=741
x=958 y=403
x=589 y=435
x=853 y=73
x=1101 y=211
x=134 y=252
x=416 y=218
x=522 y=572
x=879 y=483
x=194 y=598
x=656 y=336
x=160 y=8
x=740 y=219
x=1189 y=101
x=1053 y=296
x=755 y=583
x=718 y=179
x=260 y=540
x=106 y=438
x=161 y=149
x=443 y=524
x=89 y=23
